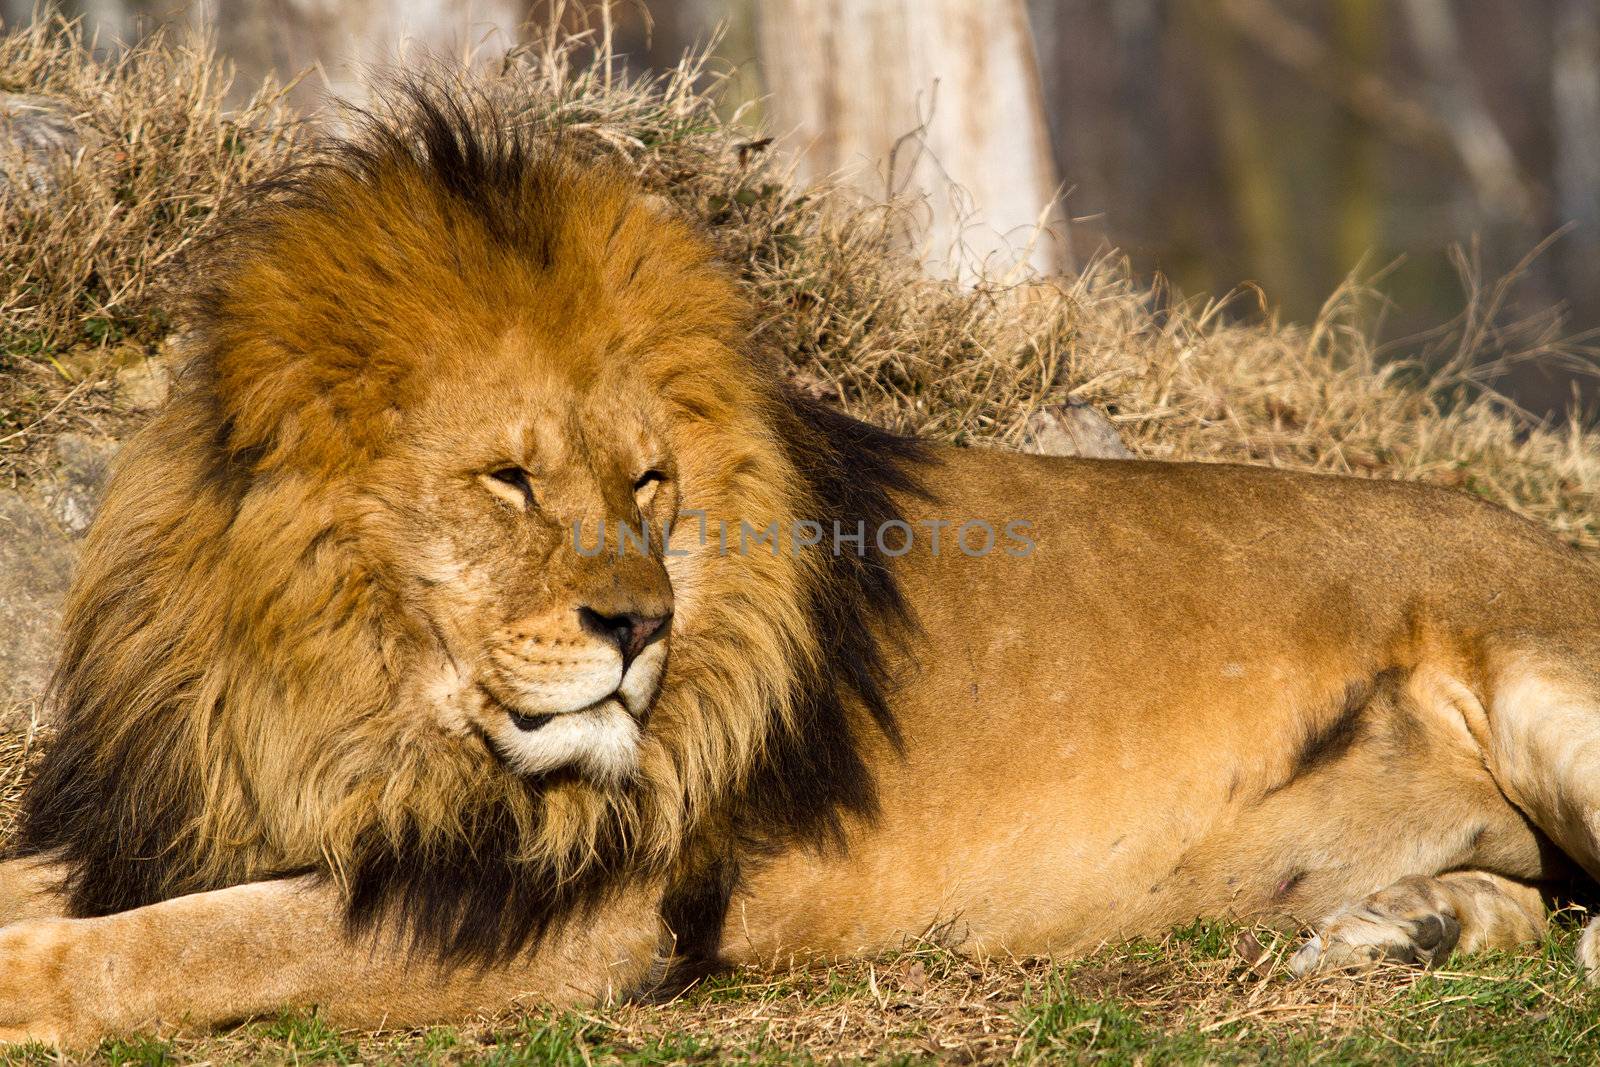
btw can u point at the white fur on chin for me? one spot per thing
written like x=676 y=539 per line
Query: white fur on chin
x=602 y=741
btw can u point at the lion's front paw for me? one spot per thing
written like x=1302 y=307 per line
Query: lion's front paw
x=37 y=992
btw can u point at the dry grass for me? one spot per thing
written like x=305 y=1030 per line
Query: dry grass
x=848 y=316
x=18 y=753
x=81 y=257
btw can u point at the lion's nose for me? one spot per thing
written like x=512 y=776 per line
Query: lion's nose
x=632 y=633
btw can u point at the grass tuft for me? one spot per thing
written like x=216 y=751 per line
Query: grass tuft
x=136 y=1052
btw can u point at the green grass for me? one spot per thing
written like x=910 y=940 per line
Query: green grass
x=137 y=1052
x=309 y=1039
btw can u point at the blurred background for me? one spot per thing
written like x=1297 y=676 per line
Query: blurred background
x=1432 y=145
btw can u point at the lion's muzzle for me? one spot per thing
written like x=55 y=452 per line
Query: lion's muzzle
x=574 y=688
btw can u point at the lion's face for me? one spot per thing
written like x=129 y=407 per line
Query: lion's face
x=490 y=515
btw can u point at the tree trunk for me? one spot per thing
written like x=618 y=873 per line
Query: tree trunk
x=1358 y=26
x=1143 y=211
x=1575 y=93
x=1252 y=164
x=345 y=39
x=1479 y=141
x=938 y=99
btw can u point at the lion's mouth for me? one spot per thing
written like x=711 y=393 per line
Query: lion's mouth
x=537 y=721
x=601 y=741
x=528 y=723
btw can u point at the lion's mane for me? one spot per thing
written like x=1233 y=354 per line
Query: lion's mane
x=229 y=698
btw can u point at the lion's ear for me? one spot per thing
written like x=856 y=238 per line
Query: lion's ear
x=301 y=376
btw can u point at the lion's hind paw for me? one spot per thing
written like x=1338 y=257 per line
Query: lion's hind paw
x=1361 y=938
x=1405 y=923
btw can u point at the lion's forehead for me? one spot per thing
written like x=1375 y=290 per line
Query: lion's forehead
x=545 y=421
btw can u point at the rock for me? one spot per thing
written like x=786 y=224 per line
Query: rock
x=81 y=467
x=1073 y=429
x=38 y=547
x=1255 y=955
x=38 y=138
x=36 y=558
x=145 y=384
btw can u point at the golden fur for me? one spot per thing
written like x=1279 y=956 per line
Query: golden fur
x=330 y=616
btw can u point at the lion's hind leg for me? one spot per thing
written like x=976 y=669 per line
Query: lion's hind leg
x=1422 y=919
x=1541 y=741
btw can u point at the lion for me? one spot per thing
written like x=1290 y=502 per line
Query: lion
x=484 y=622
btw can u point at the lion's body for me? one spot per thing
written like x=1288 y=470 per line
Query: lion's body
x=345 y=716
x=1209 y=691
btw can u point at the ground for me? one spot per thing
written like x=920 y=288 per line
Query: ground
x=1194 y=997
x=1211 y=993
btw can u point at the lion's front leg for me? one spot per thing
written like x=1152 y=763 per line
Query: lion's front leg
x=219 y=957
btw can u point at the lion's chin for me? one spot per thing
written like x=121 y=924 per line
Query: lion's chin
x=601 y=741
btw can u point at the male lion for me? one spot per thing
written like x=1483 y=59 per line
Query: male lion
x=412 y=670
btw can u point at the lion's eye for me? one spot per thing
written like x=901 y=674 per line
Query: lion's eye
x=515 y=478
x=644 y=487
